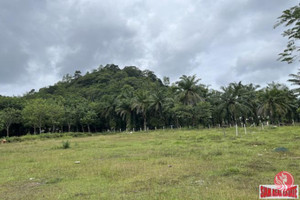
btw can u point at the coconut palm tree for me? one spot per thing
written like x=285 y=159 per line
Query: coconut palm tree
x=275 y=101
x=107 y=107
x=235 y=101
x=141 y=104
x=188 y=90
x=123 y=105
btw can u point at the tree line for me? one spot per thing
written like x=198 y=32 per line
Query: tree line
x=110 y=98
x=114 y=99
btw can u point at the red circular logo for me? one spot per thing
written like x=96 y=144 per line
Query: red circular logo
x=284 y=180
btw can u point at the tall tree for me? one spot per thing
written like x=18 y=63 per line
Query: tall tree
x=69 y=116
x=124 y=102
x=88 y=118
x=36 y=113
x=106 y=107
x=8 y=117
x=141 y=104
x=188 y=90
x=275 y=101
x=55 y=114
x=235 y=102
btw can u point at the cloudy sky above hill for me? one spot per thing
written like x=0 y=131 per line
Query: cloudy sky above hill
x=220 y=41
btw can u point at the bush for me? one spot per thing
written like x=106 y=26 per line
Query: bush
x=66 y=144
x=14 y=139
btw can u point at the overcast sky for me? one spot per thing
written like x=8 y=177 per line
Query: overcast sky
x=220 y=41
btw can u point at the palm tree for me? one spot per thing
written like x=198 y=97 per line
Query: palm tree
x=107 y=107
x=158 y=100
x=188 y=90
x=141 y=104
x=123 y=108
x=235 y=101
x=160 y=104
x=275 y=101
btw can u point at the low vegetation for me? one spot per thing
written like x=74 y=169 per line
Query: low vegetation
x=162 y=164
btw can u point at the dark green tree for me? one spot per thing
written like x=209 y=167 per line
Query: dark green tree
x=124 y=102
x=275 y=101
x=36 y=113
x=141 y=104
x=8 y=117
x=188 y=90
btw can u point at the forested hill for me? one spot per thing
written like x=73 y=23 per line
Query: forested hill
x=90 y=102
x=114 y=99
x=105 y=81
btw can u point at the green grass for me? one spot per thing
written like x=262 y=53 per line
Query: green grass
x=170 y=164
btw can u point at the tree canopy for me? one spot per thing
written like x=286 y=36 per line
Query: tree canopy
x=114 y=99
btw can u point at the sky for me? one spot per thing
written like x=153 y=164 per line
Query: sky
x=220 y=41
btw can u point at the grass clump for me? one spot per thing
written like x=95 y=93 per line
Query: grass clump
x=66 y=144
x=230 y=171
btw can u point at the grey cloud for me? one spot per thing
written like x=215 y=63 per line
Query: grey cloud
x=220 y=41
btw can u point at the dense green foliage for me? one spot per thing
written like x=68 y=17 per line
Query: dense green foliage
x=114 y=99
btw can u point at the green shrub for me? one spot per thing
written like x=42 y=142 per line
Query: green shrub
x=14 y=139
x=66 y=144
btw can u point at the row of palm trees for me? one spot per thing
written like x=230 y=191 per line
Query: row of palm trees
x=188 y=103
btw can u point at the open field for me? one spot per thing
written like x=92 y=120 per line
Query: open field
x=170 y=164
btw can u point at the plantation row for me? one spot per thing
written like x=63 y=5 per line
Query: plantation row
x=111 y=98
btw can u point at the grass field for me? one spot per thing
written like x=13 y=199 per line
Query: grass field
x=170 y=164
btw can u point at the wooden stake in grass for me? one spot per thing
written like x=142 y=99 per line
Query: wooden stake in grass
x=236 y=130
x=245 y=129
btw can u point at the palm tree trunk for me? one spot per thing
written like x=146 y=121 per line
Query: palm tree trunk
x=128 y=121
x=145 y=122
